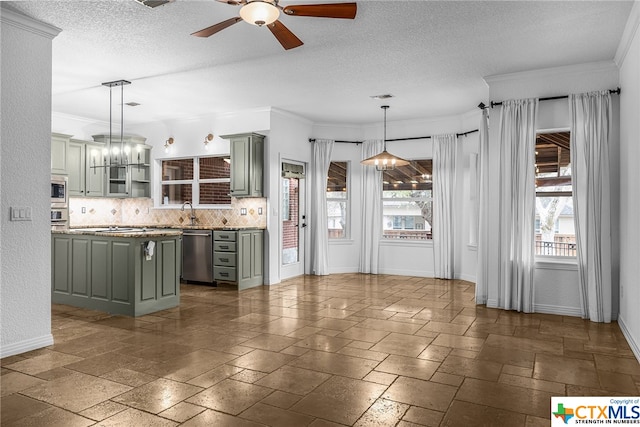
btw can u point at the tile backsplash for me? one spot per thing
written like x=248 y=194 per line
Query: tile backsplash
x=140 y=211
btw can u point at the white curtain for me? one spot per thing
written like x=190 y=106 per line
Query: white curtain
x=517 y=204
x=320 y=162
x=371 y=202
x=483 y=191
x=590 y=132
x=444 y=181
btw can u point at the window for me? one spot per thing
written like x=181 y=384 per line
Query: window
x=407 y=201
x=554 y=227
x=338 y=200
x=199 y=180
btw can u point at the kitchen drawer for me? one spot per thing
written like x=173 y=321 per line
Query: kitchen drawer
x=224 y=273
x=224 y=246
x=228 y=236
x=225 y=259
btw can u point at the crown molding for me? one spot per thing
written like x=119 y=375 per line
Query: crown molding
x=291 y=115
x=588 y=67
x=24 y=22
x=630 y=31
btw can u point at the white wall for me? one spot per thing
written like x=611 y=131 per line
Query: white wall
x=25 y=177
x=552 y=280
x=628 y=59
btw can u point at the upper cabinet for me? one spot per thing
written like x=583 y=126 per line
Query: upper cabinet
x=86 y=176
x=59 y=149
x=247 y=152
x=128 y=166
x=94 y=170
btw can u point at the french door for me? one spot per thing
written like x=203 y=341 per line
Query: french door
x=292 y=219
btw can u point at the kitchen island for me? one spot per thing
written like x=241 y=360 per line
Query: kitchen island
x=128 y=271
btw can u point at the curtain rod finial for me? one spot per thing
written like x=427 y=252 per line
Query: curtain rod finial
x=482 y=106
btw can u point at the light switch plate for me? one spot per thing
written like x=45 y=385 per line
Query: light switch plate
x=259 y=211
x=21 y=213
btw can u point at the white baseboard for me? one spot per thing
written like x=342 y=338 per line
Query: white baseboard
x=635 y=348
x=557 y=309
x=492 y=303
x=411 y=273
x=26 y=345
x=468 y=277
x=343 y=270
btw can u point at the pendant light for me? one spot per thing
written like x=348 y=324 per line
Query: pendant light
x=117 y=155
x=385 y=160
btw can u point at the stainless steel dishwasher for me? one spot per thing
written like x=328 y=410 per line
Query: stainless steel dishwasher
x=197 y=255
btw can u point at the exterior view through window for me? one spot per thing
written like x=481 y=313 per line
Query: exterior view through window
x=407 y=201
x=199 y=180
x=337 y=200
x=554 y=227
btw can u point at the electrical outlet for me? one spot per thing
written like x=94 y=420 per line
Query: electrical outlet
x=259 y=211
x=84 y=210
x=243 y=211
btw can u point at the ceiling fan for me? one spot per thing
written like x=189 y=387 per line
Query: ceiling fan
x=266 y=13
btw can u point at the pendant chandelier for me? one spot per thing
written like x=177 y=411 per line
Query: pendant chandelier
x=116 y=155
x=385 y=160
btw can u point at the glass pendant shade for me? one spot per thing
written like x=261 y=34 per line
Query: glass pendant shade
x=385 y=160
x=259 y=13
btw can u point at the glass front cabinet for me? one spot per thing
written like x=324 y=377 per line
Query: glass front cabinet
x=128 y=166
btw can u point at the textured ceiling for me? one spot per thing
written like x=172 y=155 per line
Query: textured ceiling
x=430 y=55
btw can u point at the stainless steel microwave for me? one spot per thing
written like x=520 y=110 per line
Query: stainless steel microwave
x=59 y=196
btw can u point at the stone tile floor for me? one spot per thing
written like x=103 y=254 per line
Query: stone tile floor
x=345 y=349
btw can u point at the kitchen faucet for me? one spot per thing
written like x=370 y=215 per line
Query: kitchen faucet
x=193 y=214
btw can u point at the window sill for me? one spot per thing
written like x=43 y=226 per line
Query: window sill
x=406 y=242
x=179 y=207
x=556 y=263
x=340 y=242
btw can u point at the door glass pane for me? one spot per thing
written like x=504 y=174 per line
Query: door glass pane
x=290 y=230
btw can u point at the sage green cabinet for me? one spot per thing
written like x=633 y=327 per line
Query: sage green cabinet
x=59 y=149
x=112 y=274
x=247 y=164
x=238 y=257
x=85 y=171
x=129 y=166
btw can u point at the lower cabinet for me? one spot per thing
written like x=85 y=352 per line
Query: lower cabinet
x=238 y=257
x=114 y=274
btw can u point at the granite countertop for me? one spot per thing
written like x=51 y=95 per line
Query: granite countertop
x=147 y=230
x=122 y=232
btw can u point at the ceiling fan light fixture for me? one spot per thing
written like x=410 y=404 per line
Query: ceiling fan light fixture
x=259 y=12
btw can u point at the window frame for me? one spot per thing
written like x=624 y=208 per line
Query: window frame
x=195 y=183
x=346 y=200
x=406 y=239
x=546 y=257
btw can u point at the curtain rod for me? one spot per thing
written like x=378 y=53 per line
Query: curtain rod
x=401 y=139
x=550 y=98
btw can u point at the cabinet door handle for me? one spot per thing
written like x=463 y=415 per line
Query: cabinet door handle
x=224 y=274
x=224 y=247
x=224 y=259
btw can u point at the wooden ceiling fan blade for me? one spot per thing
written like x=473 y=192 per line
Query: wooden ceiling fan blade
x=287 y=39
x=333 y=10
x=209 y=31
